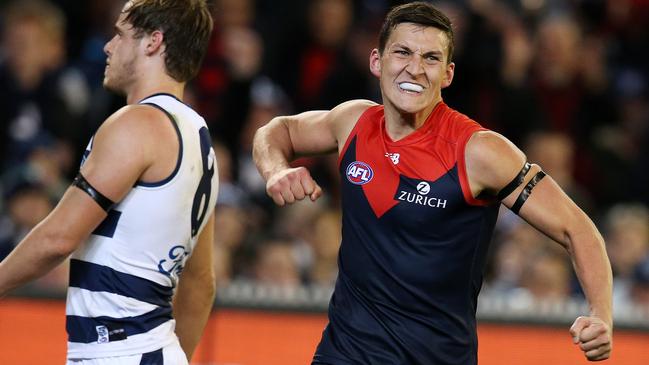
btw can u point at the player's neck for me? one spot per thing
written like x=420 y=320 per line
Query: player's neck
x=399 y=124
x=150 y=87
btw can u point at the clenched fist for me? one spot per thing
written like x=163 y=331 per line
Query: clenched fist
x=289 y=185
x=594 y=337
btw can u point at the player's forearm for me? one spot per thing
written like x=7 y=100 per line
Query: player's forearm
x=272 y=150
x=192 y=306
x=593 y=269
x=37 y=254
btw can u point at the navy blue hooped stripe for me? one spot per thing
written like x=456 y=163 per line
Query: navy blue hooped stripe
x=152 y=358
x=180 y=150
x=108 y=226
x=93 y=277
x=87 y=330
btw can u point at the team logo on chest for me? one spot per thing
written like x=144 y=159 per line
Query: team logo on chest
x=359 y=173
x=421 y=196
x=423 y=188
x=394 y=157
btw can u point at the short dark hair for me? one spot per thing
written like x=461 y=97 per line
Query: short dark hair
x=186 y=25
x=420 y=13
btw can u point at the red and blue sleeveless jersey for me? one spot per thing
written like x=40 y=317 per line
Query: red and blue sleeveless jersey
x=413 y=249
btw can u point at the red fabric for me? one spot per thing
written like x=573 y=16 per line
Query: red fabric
x=428 y=153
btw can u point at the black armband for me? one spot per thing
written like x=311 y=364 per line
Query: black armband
x=83 y=184
x=518 y=180
x=522 y=197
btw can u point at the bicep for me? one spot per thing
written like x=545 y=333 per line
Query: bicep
x=311 y=132
x=492 y=162
x=73 y=219
x=117 y=160
x=549 y=209
x=321 y=131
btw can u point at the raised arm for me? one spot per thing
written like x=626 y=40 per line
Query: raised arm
x=121 y=154
x=286 y=137
x=492 y=163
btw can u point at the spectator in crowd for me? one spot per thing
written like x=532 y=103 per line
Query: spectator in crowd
x=626 y=229
x=555 y=151
x=232 y=64
x=325 y=243
x=41 y=98
x=547 y=276
x=275 y=264
x=640 y=286
x=566 y=79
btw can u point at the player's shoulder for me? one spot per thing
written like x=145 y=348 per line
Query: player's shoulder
x=352 y=109
x=489 y=141
x=135 y=117
x=344 y=116
x=457 y=120
x=492 y=157
x=137 y=123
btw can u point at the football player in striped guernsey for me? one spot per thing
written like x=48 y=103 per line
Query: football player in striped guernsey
x=138 y=219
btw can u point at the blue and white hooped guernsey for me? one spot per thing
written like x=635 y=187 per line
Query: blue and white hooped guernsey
x=123 y=278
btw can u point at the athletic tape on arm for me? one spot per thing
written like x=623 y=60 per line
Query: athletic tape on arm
x=518 y=180
x=83 y=184
x=522 y=197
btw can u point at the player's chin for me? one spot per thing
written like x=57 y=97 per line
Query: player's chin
x=107 y=84
x=111 y=86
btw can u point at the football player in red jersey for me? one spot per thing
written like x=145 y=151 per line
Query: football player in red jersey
x=409 y=271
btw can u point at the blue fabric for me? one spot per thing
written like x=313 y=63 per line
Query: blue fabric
x=93 y=277
x=152 y=358
x=84 y=329
x=108 y=226
x=408 y=282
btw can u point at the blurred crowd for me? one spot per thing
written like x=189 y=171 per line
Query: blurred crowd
x=566 y=80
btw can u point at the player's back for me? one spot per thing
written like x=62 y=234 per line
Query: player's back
x=123 y=277
x=413 y=249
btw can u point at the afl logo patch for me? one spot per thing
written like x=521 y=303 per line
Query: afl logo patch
x=359 y=173
x=423 y=188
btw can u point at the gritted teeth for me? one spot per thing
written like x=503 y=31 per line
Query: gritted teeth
x=408 y=86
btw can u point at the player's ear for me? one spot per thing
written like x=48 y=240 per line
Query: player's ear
x=154 y=42
x=448 y=75
x=375 y=62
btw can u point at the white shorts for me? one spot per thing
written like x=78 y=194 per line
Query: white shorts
x=172 y=354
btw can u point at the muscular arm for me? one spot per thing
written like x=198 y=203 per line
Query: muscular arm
x=194 y=296
x=51 y=241
x=492 y=162
x=314 y=132
x=119 y=157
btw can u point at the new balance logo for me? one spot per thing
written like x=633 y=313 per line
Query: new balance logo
x=394 y=157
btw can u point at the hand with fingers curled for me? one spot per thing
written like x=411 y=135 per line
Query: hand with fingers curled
x=292 y=184
x=594 y=337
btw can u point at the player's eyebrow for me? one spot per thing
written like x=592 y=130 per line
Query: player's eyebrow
x=436 y=54
x=399 y=45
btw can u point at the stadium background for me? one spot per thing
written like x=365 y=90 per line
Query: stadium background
x=564 y=79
